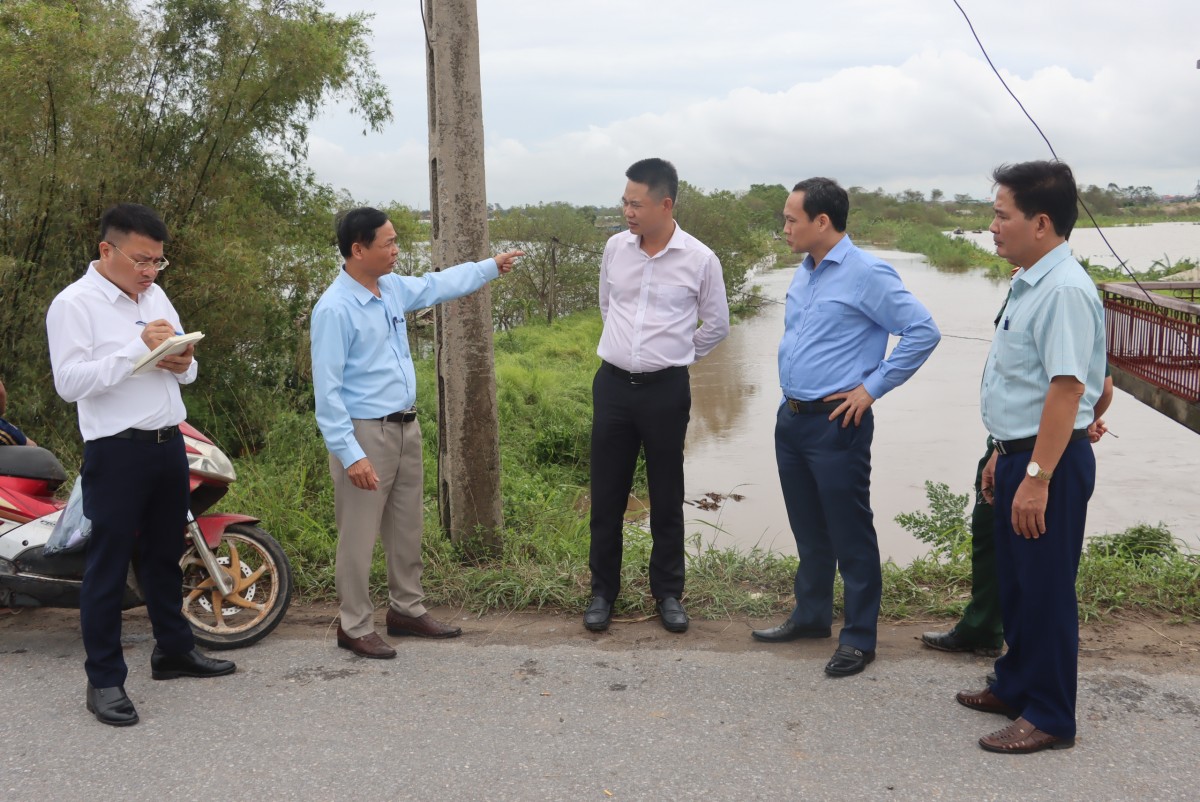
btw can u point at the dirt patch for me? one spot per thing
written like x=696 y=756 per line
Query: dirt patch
x=1143 y=643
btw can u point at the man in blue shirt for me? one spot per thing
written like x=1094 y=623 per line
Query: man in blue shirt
x=365 y=388
x=833 y=364
x=1041 y=383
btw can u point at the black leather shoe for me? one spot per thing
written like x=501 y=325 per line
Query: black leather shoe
x=848 y=660
x=111 y=706
x=952 y=642
x=598 y=615
x=789 y=630
x=674 y=618
x=192 y=664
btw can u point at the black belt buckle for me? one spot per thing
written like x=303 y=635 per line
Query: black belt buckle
x=637 y=378
x=1000 y=449
x=164 y=435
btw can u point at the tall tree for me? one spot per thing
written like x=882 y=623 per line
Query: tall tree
x=199 y=108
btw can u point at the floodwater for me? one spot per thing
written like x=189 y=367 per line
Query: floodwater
x=927 y=429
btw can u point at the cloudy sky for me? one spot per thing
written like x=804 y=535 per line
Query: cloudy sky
x=875 y=93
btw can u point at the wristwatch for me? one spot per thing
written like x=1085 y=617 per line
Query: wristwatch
x=1035 y=471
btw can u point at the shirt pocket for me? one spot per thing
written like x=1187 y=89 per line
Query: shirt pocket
x=825 y=315
x=672 y=302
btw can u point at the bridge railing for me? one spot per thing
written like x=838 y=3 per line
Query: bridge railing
x=1154 y=334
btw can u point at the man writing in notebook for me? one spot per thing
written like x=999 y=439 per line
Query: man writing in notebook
x=135 y=470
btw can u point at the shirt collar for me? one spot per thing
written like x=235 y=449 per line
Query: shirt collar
x=111 y=291
x=357 y=291
x=835 y=256
x=676 y=240
x=1042 y=267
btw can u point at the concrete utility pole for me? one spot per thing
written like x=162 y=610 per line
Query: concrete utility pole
x=468 y=428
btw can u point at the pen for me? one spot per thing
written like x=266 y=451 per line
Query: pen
x=143 y=323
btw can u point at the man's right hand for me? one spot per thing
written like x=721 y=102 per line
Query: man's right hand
x=987 y=482
x=362 y=475
x=156 y=332
x=504 y=261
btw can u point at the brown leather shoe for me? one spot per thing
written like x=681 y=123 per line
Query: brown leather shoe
x=986 y=701
x=1022 y=738
x=423 y=626
x=369 y=645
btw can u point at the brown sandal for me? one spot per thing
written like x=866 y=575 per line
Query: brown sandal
x=1022 y=738
x=986 y=701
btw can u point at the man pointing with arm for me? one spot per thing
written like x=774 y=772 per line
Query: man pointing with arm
x=365 y=387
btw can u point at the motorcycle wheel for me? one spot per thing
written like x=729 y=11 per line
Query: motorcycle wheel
x=262 y=589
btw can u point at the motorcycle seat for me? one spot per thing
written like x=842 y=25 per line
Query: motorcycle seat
x=31 y=462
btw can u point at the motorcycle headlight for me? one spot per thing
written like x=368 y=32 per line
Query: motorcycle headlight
x=205 y=459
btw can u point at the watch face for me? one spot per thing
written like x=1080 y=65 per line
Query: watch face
x=1033 y=469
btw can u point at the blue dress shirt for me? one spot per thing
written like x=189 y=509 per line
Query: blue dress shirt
x=362 y=366
x=1052 y=325
x=836 y=324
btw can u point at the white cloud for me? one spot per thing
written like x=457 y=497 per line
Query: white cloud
x=891 y=95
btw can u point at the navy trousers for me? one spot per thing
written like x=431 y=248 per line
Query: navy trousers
x=825 y=473
x=625 y=419
x=1038 y=675
x=136 y=494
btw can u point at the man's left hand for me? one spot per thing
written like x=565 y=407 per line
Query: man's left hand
x=854 y=404
x=1029 y=508
x=177 y=363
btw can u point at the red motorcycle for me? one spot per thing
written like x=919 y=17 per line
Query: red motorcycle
x=237 y=581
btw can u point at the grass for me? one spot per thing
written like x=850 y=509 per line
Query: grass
x=949 y=253
x=544 y=375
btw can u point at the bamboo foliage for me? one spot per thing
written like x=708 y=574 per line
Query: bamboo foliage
x=200 y=109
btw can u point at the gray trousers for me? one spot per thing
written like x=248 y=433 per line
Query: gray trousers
x=393 y=513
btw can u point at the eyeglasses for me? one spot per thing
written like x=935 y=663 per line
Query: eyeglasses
x=157 y=265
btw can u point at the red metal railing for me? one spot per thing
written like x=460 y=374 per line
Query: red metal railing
x=1154 y=337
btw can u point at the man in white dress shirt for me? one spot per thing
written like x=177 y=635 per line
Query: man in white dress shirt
x=662 y=298
x=135 y=470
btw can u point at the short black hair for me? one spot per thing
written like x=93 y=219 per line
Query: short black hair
x=824 y=196
x=358 y=225
x=133 y=218
x=658 y=174
x=1042 y=187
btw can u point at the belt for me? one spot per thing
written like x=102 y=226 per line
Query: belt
x=163 y=435
x=643 y=378
x=407 y=416
x=1007 y=447
x=812 y=407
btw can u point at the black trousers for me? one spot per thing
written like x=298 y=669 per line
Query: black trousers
x=136 y=494
x=627 y=418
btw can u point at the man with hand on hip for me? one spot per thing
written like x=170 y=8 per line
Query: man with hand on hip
x=833 y=365
x=365 y=387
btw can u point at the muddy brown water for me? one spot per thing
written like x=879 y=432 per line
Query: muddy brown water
x=929 y=428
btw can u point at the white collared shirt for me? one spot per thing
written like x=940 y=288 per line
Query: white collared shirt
x=95 y=340
x=651 y=305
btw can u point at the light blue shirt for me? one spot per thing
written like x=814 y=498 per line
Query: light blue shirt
x=836 y=324
x=362 y=367
x=1052 y=325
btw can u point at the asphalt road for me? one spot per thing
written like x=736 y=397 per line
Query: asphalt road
x=576 y=720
